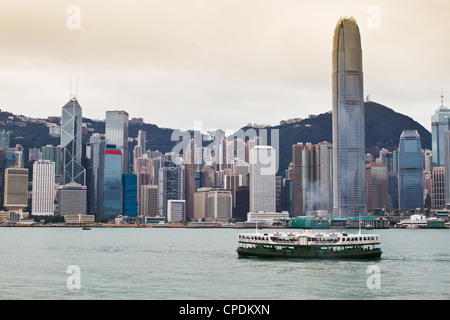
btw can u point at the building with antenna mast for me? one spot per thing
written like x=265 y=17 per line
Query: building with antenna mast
x=440 y=122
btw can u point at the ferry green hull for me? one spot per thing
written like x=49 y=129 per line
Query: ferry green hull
x=310 y=253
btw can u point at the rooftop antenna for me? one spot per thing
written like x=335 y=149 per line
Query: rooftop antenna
x=442 y=98
x=72 y=95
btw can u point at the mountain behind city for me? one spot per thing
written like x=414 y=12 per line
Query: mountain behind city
x=383 y=127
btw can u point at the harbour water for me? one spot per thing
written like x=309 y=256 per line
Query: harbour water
x=200 y=264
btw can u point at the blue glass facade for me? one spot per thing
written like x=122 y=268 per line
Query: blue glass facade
x=410 y=171
x=440 y=122
x=130 y=203
x=110 y=181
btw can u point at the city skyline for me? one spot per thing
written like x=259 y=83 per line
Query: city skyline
x=179 y=62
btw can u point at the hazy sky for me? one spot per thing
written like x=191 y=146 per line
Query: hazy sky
x=222 y=62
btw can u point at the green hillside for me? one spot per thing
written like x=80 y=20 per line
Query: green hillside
x=383 y=127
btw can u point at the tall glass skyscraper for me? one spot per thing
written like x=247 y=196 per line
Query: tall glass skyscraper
x=171 y=183
x=116 y=132
x=110 y=181
x=410 y=171
x=130 y=191
x=349 y=193
x=440 y=122
x=71 y=144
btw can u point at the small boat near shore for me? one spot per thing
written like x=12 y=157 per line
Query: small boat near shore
x=308 y=245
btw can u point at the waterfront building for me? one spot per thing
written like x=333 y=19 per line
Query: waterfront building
x=72 y=199
x=43 y=188
x=219 y=204
x=438 y=188
x=201 y=203
x=148 y=200
x=349 y=194
x=110 y=180
x=130 y=195
x=79 y=219
x=176 y=210
x=116 y=132
x=262 y=179
x=170 y=184
x=410 y=174
x=440 y=122
x=376 y=185
x=16 y=189
x=267 y=217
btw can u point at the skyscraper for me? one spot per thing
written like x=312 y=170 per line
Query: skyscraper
x=116 y=132
x=262 y=179
x=440 y=122
x=16 y=188
x=303 y=178
x=53 y=154
x=349 y=194
x=110 y=181
x=447 y=166
x=43 y=191
x=92 y=172
x=312 y=178
x=130 y=194
x=71 y=144
x=410 y=171
x=142 y=140
x=148 y=200
x=171 y=184
x=376 y=185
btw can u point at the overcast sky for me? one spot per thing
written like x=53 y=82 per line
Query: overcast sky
x=222 y=62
